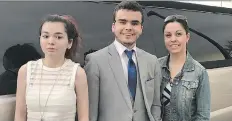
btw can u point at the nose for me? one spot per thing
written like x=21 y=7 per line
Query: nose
x=51 y=41
x=173 y=38
x=128 y=26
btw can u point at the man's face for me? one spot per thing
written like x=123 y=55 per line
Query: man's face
x=127 y=27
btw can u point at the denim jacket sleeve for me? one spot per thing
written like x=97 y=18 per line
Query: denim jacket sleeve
x=203 y=98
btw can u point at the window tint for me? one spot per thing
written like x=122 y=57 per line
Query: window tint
x=198 y=46
x=21 y=22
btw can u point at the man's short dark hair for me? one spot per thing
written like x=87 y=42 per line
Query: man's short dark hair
x=128 y=5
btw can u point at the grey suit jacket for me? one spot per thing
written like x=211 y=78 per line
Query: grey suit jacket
x=109 y=97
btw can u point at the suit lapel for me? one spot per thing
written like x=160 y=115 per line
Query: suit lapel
x=142 y=67
x=116 y=66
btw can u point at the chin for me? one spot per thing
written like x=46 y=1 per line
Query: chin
x=129 y=41
x=50 y=54
x=174 y=51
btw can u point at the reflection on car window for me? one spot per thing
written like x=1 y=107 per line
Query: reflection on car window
x=202 y=50
x=14 y=57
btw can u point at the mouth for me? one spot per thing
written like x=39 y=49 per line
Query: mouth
x=128 y=34
x=174 y=45
x=51 y=49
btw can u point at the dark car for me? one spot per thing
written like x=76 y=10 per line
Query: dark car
x=210 y=44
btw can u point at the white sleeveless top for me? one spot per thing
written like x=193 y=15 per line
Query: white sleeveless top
x=50 y=92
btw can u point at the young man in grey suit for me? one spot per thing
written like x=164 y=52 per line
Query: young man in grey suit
x=124 y=81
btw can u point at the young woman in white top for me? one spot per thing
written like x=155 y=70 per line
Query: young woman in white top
x=53 y=88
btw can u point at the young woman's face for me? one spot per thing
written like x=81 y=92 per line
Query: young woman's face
x=54 y=39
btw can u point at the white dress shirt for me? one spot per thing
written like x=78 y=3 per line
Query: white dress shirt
x=124 y=59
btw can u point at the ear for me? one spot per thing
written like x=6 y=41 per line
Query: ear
x=113 y=27
x=70 y=43
x=188 y=37
x=141 y=30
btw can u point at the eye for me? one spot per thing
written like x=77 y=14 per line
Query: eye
x=167 y=35
x=59 y=37
x=135 y=23
x=45 y=36
x=178 y=34
x=122 y=22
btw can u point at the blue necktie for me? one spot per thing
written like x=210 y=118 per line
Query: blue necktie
x=132 y=74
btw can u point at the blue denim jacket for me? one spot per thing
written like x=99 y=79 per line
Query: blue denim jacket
x=190 y=94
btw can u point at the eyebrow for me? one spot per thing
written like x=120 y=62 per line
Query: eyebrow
x=135 y=21
x=58 y=33
x=127 y=20
x=176 y=30
x=44 y=32
x=48 y=32
x=122 y=19
x=179 y=30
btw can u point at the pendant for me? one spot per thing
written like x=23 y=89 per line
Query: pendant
x=31 y=84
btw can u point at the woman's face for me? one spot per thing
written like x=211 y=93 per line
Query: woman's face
x=175 y=38
x=54 y=39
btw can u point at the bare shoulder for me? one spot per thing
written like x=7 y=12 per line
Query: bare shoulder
x=80 y=71
x=22 y=70
x=81 y=75
x=21 y=79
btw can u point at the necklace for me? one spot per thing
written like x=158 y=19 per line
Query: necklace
x=53 y=85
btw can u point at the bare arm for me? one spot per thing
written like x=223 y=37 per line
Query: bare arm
x=82 y=95
x=21 y=109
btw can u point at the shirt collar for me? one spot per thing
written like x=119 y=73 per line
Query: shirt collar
x=121 y=48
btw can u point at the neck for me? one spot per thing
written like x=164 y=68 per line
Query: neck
x=177 y=58
x=53 y=62
x=127 y=45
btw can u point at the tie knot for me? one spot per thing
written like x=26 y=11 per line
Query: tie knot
x=129 y=53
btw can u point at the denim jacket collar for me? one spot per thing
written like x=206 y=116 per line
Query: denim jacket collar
x=188 y=65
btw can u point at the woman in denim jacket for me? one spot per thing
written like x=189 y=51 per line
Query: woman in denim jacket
x=185 y=86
